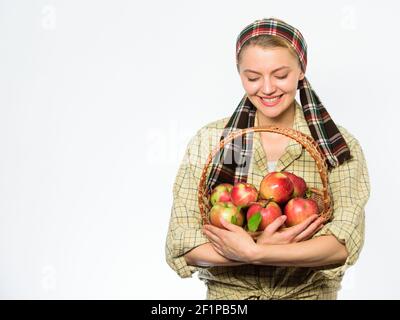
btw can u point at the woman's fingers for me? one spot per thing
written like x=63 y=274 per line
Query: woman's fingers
x=218 y=249
x=270 y=234
x=211 y=233
x=299 y=228
x=215 y=230
x=276 y=224
x=230 y=226
x=300 y=232
x=310 y=231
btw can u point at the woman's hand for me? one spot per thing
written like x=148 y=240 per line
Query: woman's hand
x=233 y=243
x=303 y=231
x=236 y=244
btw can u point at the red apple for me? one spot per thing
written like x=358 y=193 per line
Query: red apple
x=227 y=211
x=277 y=187
x=299 y=209
x=269 y=211
x=299 y=185
x=243 y=194
x=221 y=193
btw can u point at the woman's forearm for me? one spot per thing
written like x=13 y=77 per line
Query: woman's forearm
x=205 y=256
x=320 y=251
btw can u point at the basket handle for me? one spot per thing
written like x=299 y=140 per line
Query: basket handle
x=306 y=141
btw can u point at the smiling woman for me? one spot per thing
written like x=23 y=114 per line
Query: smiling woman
x=306 y=261
x=270 y=79
x=269 y=87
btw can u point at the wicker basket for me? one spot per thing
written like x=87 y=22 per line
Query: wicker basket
x=322 y=197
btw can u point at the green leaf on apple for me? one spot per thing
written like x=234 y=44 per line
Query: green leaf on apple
x=254 y=222
x=233 y=219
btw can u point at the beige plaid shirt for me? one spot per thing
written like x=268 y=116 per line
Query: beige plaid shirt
x=349 y=187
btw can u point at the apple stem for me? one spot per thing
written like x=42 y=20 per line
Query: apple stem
x=266 y=203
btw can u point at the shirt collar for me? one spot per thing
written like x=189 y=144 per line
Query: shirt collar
x=293 y=150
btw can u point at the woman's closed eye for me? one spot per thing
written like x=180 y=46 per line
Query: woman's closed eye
x=280 y=78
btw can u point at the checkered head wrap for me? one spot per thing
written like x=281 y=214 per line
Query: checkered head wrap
x=231 y=164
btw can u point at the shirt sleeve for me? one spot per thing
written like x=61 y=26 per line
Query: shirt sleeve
x=184 y=232
x=350 y=190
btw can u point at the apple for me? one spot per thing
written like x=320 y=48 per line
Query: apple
x=228 y=211
x=299 y=209
x=299 y=185
x=243 y=194
x=269 y=211
x=221 y=193
x=277 y=187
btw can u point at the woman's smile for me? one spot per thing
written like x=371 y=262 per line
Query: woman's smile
x=271 y=102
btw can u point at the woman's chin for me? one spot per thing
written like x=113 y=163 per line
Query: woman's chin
x=274 y=114
x=271 y=112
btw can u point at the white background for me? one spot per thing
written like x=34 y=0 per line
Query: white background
x=98 y=100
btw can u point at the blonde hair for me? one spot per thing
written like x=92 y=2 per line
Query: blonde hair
x=268 y=41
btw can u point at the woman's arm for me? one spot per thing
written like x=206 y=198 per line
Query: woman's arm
x=205 y=256
x=320 y=251
x=235 y=244
x=290 y=247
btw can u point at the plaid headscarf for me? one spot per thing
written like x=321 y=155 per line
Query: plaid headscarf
x=231 y=164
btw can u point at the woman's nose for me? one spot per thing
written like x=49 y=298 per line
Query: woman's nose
x=268 y=87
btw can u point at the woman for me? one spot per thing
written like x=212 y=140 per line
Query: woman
x=307 y=261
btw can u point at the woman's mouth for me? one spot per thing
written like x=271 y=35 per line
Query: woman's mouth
x=270 y=102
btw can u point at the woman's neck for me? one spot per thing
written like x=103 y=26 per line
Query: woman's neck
x=285 y=120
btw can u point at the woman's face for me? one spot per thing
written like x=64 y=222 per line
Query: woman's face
x=270 y=78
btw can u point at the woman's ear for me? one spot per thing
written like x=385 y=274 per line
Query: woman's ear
x=301 y=75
